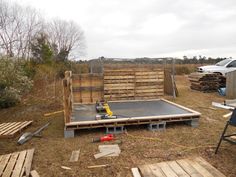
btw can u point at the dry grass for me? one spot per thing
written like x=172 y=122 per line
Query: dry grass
x=139 y=146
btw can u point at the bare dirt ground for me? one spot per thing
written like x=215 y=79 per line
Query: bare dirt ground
x=140 y=146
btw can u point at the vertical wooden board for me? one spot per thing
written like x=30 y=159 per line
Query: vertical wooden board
x=8 y=170
x=199 y=168
x=209 y=167
x=19 y=164
x=28 y=162
x=177 y=169
x=167 y=170
x=3 y=162
x=74 y=156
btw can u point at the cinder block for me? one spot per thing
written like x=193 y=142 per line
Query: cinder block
x=69 y=133
x=193 y=123
x=159 y=126
x=115 y=130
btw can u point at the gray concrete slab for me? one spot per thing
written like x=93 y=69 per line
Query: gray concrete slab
x=129 y=109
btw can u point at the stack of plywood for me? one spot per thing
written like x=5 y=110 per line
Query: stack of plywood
x=205 y=82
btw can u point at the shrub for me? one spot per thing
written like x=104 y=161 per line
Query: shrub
x=13 y=82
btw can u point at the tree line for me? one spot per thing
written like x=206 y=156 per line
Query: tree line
x=25 y=34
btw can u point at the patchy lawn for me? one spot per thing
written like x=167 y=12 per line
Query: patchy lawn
x=139 y=146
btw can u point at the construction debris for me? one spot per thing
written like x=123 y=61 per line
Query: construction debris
x=28 y=135
x=17 y=163
x=53 y=113
x=10 y=129
x=34 y=173
x=205 y=82
x=65 y=168
x=74 y=156
x=135 y=172
x=102 y=154
x=99 y=166
x=110 y=148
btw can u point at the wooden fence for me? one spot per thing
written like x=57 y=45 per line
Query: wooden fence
x=231 y=85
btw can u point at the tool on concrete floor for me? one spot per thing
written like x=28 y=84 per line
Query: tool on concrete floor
x=28 y=135
x=103 y=107
x=108 y=137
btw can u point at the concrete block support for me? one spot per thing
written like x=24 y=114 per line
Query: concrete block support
x=115 y=130
x=193 y=123
x=69 y=133
x=159 y=126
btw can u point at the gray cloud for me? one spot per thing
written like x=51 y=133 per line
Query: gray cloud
x=136 y=28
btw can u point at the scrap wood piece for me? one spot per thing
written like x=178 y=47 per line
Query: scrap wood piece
x=16 y=164
x=34 y=173
x=99 y=166
x=53 y=113
x=196 y=166
x=65 y=168
x=74 y=156
x=135 y=172
x=110 y=148
x=102 y=154
x=9 y=130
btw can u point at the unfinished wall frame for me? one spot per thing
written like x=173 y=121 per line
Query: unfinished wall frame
x=117 y=84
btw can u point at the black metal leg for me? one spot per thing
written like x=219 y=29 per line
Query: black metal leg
x=222 y=137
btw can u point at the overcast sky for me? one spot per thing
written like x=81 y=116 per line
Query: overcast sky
x=150 y=28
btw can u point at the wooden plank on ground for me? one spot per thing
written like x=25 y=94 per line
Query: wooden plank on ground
x=74 y=156
x=102 y=154
x=177 y=169
x=19 y=164
x=188 y=168
x=135 y=172
x=110 y=148
x=209 y=167
x=10 y=165
x=146 y=171
x=156 y=170
x=21 y=127
x=4 y=161
x=199 y=168
x=167 y=170
x=34 y=173
x=28 y=162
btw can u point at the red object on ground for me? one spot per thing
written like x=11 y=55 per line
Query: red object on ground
x=108 y=137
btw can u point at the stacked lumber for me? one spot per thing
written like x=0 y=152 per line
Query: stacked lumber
x=205 y=82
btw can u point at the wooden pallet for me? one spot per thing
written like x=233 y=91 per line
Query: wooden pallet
x=16 y=164
x=184 y=167
x=10 y=129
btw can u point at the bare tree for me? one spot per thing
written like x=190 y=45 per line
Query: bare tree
x=17 y=26
x=66 y=37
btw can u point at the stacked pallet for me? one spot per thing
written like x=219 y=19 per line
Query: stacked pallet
x=205 y=82
x=132 y=83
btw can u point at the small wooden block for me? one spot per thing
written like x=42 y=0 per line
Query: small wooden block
x=135 y=172
x=34 y=173
x=74 y=156
x=102 y=154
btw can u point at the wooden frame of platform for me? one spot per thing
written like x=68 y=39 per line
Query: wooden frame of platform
x=192 y=116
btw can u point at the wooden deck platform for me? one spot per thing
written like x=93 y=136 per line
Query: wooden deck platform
x=192 y=167
x=10 y=129
x=132 y=112
x=16 y=164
